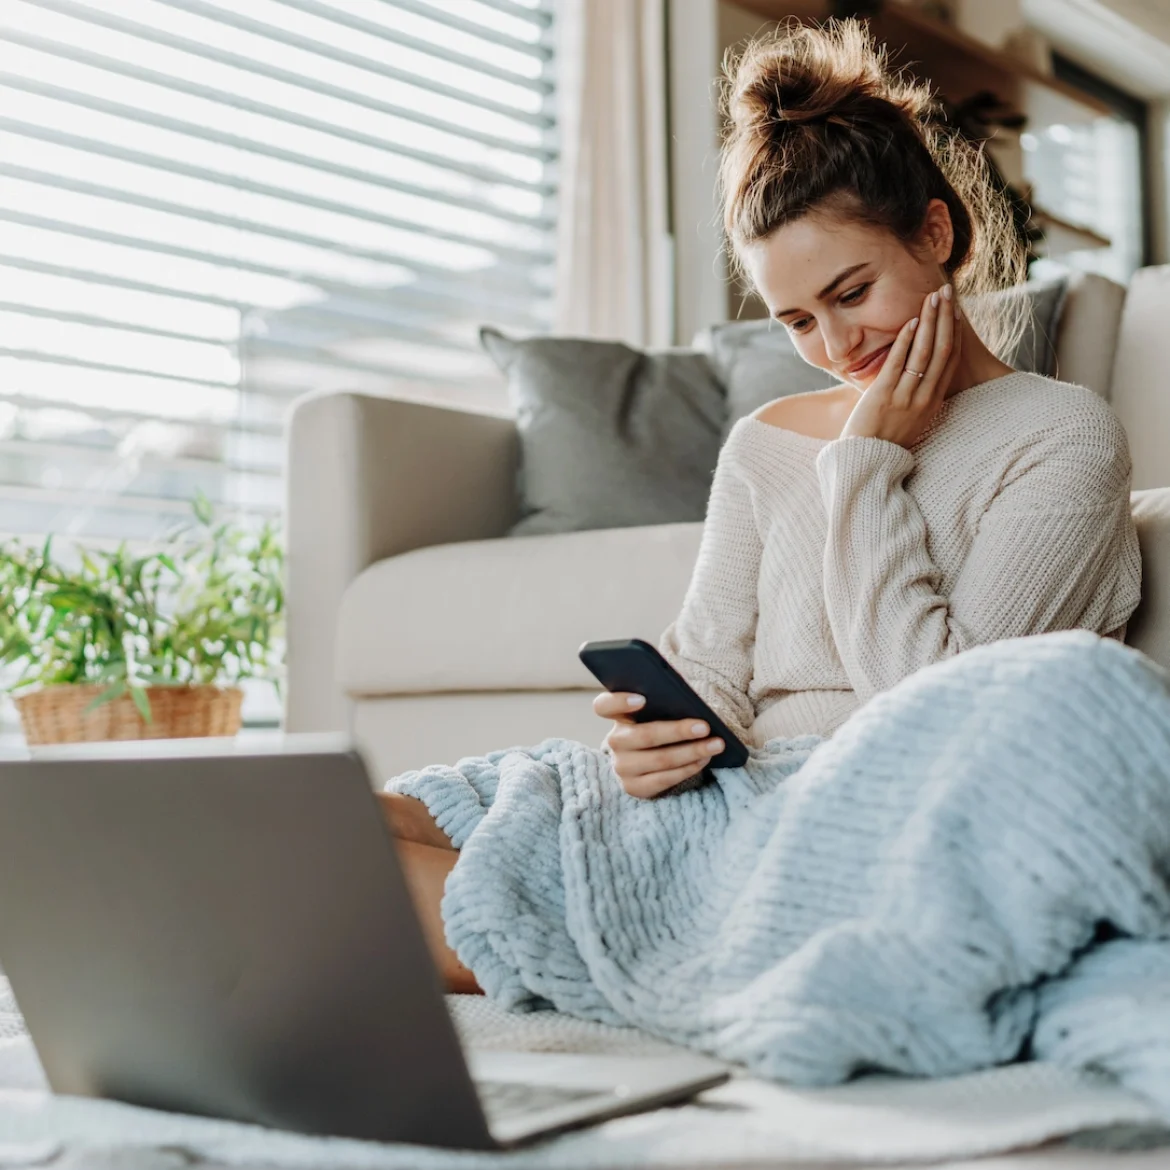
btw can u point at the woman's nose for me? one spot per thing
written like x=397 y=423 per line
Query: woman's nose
x=841 y=342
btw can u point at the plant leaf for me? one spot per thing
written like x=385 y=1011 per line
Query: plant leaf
x=138 y=694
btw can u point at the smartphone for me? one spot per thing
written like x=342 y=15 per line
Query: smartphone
x=629 y=664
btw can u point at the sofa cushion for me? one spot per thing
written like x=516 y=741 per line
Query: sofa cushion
x=508 y=614
x=1137 y=391
x=610 y=436
x=1149 y=628
x=1090 y=320
x=499 y=615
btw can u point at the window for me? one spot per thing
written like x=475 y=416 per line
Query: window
x=1089 y=170
x=209 y=208
x=204 y=214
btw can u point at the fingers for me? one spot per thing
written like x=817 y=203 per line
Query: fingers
x=933 y=384
x=655 y=784
x=645 y=737
x=896 y=361
x=618 y=705
x=952 y=365
x=641 y=765
x=920 y=353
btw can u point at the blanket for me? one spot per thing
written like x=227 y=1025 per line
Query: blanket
x=973 y=870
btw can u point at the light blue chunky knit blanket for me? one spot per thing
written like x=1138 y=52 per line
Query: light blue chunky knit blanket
x=975 y=869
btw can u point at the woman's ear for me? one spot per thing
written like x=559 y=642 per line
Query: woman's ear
x=937 y=234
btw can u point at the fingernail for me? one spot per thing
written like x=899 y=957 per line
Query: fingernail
x=934 y=300
x=635 y=701
x=913 y=324
x=947 y=292
x=716 y=745
x=698 y=729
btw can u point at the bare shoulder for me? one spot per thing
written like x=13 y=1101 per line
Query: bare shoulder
x=818 y=414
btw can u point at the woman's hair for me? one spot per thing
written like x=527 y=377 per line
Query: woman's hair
x=816 y=120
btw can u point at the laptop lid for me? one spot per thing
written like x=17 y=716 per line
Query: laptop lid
x=196 y=926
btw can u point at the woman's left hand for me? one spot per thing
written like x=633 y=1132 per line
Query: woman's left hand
x=913 y=382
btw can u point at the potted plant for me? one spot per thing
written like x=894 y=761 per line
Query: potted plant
x=121 y=646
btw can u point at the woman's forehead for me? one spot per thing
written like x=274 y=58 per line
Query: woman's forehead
x=795 y=263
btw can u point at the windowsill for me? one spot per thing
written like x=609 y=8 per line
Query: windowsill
x=12 y=738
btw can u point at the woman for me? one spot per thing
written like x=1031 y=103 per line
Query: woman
x=933 y=501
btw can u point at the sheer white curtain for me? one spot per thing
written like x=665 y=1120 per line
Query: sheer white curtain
x=614 y=271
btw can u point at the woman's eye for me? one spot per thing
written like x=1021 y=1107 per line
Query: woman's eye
x=854 y=294
x=799 y=326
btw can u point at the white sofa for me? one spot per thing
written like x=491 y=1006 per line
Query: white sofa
x=412 y=624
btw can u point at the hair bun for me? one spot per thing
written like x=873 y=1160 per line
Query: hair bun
x=802 y=76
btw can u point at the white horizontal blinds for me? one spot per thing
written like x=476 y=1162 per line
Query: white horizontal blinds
x=208 y=207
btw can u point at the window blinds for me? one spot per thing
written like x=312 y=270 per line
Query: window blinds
x=208 y=208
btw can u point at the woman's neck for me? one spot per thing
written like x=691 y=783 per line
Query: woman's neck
x=976 y=363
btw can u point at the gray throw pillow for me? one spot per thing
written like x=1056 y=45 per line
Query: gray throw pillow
x=1035 y=352
x=757 y=362
x=610 y=436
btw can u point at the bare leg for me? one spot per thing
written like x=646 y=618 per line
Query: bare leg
x=427 y=857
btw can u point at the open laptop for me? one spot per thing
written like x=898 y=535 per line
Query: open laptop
x=207 y=927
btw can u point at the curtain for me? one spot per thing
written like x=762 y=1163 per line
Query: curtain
x=613 y=267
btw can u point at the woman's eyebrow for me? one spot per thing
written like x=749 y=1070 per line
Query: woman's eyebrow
x=844 y=274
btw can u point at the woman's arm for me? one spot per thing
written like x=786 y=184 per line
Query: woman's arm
x=1055 y=549
x=712 y=640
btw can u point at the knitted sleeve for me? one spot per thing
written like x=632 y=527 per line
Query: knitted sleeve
x=1054 y=549
x=712 y=640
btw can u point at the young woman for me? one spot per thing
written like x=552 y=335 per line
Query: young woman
x=933 y=501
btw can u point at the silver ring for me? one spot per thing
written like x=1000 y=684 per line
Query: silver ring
x=908 y=370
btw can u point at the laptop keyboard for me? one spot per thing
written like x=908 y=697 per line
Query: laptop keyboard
x=515 y=1099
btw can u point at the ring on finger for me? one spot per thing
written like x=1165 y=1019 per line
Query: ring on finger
x=908 y=370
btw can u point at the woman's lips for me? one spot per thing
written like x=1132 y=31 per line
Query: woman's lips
x=873 y=365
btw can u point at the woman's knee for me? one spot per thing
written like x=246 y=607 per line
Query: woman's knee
x=410 y=820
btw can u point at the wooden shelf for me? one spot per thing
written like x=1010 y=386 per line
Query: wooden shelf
x=956 y=64
x=1077 y=236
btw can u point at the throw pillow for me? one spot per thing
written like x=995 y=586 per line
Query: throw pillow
x=757 y=363
x=610 y=436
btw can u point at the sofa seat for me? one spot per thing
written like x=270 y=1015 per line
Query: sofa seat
x=508 y=615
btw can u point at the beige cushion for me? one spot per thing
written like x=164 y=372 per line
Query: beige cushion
x=508 y=614
x=1138 y=391
x=1086 y=337
x=1149 y=628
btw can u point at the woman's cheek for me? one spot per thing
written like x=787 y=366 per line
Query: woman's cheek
x=809 y=348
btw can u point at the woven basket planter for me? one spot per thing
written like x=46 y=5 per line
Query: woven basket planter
x=55 y=714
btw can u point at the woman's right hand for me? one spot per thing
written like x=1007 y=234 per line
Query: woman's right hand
x=649 y=758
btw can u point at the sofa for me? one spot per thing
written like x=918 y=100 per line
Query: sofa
x=415 y=625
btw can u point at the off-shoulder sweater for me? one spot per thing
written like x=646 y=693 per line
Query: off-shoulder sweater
x=831 y=569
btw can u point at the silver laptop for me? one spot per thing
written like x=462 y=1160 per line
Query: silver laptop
x=216 y=928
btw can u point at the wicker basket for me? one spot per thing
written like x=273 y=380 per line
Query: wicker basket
x=55 y=714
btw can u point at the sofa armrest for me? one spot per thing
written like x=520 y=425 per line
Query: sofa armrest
x=368 y=478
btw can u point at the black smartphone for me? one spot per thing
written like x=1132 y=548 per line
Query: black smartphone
x=629 y=664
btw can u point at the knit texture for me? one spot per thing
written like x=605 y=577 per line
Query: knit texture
x=830 y=570
x=942 y=883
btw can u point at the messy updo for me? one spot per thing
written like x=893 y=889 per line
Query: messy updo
x=815 y=120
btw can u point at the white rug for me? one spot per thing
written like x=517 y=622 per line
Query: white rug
x=745 y=1123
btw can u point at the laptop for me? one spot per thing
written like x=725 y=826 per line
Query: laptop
x=210 y=927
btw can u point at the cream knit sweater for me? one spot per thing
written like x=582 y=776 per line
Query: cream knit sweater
x=830 y=570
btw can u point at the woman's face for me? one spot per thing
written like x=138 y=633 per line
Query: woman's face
x=844 y=289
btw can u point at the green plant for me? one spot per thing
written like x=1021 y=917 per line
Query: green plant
x=205 y=607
